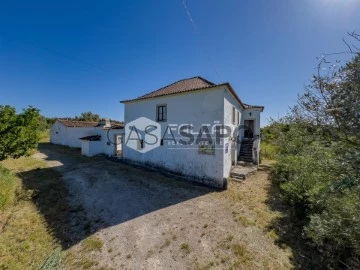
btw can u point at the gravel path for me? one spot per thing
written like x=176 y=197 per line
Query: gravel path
x=147 y=220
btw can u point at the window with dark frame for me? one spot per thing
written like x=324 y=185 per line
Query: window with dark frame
x=161 y=113
x=238 y=117
x=233 y=115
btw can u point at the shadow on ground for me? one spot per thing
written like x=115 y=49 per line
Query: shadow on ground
x=288 y=229
x=79 y=196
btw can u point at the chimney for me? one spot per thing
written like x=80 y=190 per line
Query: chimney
x=105 y=123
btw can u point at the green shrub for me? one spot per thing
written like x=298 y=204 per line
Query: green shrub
x=8 y=185
x=268 y=150
x=326 y=197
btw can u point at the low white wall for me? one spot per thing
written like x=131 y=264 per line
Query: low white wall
x=69 y=136
x=91 y=148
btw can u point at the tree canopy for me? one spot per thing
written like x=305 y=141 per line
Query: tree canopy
x=88 y=116
x=18 y=132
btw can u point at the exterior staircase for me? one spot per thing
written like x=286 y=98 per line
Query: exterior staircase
x=246 y=149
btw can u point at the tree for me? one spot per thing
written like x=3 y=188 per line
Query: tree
x=88 y=116
x=318 y=161
x=18 y=132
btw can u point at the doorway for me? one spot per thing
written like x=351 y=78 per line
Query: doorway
x=118 y=145
x=249 y=129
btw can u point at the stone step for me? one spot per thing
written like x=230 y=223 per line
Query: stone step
x=245 y=154
x=245 y=159
x=240 y=173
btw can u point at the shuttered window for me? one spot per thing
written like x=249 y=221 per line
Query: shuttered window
x=161 y=113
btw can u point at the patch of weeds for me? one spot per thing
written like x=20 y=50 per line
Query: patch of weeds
x=202 y=234
x=185 y=247
x=205 y=267
x=166 y=244
x=92 y=244
x=241 y=254
x=245 y=221
x=225 y=259
x=205 y=226
x=87 y=264
x=230 y=237
x=239 y=250
x=110 y=250
x=273 y=235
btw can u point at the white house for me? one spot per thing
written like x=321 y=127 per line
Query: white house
x=93 y=138
x=199 y=103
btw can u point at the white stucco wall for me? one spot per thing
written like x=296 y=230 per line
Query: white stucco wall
x=69 y=136
x=255 y=115
x=91 y=148
x=108 y=141
x=229 y=103
x=196 y=108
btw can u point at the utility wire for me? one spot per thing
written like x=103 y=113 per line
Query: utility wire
x=201 y=41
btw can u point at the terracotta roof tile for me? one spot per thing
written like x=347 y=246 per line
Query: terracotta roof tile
x=247 y=106
x=185 y=85
x=189 y=85
x=71 y=123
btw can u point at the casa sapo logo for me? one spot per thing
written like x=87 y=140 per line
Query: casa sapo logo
x=144 y=135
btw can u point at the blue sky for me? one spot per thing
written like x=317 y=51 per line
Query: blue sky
x=67 y=57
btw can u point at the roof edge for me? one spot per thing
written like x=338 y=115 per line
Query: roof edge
x=227 y=84
x=171 y=94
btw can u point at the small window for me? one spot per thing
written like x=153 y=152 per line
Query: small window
x=238 y=117
x=161 y=113
x=233 y=115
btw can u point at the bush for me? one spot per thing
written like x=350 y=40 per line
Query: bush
x=268 y=150
x=325 y=197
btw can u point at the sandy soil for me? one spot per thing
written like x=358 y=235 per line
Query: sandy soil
x=147 y=220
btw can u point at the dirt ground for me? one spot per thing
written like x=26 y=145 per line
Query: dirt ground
x=133 y=218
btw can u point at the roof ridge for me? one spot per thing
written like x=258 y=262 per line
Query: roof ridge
x=205 y=80
x=70 y=120
x=198 y=77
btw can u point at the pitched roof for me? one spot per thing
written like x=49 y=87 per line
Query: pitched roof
x=247 y=106
x=71 y=123
x=189 y=85
x=185 y=85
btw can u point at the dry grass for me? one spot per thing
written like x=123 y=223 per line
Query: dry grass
x=8 y=186
x=92 y=243
x=250 y=209
x=81 y=259
x=25 y=240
